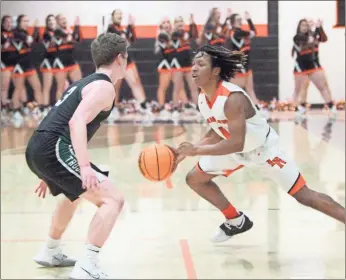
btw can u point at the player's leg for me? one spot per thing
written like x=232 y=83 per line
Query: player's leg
x=200 y=179
x=286 y=172
x=110 y=203
x=320 y=202
x=51 y=254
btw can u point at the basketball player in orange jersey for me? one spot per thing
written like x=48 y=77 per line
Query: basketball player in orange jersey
x=239 y=136
x=57 y=153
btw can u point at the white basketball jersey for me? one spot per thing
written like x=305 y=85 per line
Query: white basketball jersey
x=257 y=127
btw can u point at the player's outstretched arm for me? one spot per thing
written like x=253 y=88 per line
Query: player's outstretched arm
x=99 y=97
x=235 y=114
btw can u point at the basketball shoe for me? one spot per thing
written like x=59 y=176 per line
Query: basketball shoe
x=232 y=227
x=87 y=269
x=53 y=258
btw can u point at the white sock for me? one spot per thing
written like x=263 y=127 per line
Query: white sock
x=91 y=251
x=52 y=243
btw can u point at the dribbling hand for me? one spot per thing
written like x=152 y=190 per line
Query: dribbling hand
x=89 y=178
x=187 y=149
x=41 y=189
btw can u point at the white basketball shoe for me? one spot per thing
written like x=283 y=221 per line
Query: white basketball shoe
x=53 y=258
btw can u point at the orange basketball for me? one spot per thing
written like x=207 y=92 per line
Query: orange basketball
x=157 y=162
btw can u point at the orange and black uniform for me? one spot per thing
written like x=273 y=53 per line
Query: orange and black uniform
x=64 y=61
x=165 y=52
x=241 y=41
x=306 y=62
x=22 y=41
x=9 y=54
x=215 y=35
x=51 y=49
x=129 y=34
x=182 y=51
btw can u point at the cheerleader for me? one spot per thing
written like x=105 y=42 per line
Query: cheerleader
x=163 y=50
x=131 y=75
x=9 y=58
x=214 y=33
x=24 y=68
x=46 y=67
x=307 y=66
x=181 y=63
x=64 y=64
x=241 y=41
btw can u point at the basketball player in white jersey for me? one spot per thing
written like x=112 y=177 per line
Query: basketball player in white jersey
x=239 y=137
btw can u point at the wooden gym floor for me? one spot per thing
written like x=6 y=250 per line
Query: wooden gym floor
x=164 y=229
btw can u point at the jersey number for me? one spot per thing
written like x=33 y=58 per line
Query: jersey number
x=276 y=161
x=70 y=91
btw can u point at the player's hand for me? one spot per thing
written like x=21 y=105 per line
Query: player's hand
x=89 y=178
x=247 y=15
x=178 y=157
x=187 y=149
x=41 y=190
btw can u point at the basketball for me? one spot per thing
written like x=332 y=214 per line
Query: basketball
x=157 y=162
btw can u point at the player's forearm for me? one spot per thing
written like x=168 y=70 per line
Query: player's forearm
x=223 y=147
x=211 y=137
x=79 y=140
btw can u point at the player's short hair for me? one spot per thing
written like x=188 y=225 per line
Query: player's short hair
x=106 y=47
x=230 y=62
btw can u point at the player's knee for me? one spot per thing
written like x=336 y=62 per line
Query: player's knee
x=115 y=199
x=304 y=196
x=192 y=179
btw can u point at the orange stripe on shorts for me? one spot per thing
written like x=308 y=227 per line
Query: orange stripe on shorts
x=299 y=183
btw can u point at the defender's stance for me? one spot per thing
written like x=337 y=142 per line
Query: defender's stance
x=239 y=136
x=57 y=153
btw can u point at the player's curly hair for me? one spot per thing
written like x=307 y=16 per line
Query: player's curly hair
x=230 y=62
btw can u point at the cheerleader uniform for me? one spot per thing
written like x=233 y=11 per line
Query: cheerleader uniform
x=64 y=61
x=9 y=54
x=164 y=51
x=182 y=51
x=129 y=34
x=49 y=42
x=22 y=41
x=215 y=35
x=306 y=62
x=241 y=41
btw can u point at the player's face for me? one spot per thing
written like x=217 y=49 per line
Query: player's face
x=202 y=71
x=51 y=23
x=304 y=26
x=7 y=23
x=117 y=17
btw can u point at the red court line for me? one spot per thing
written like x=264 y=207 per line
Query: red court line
x=189 y=266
